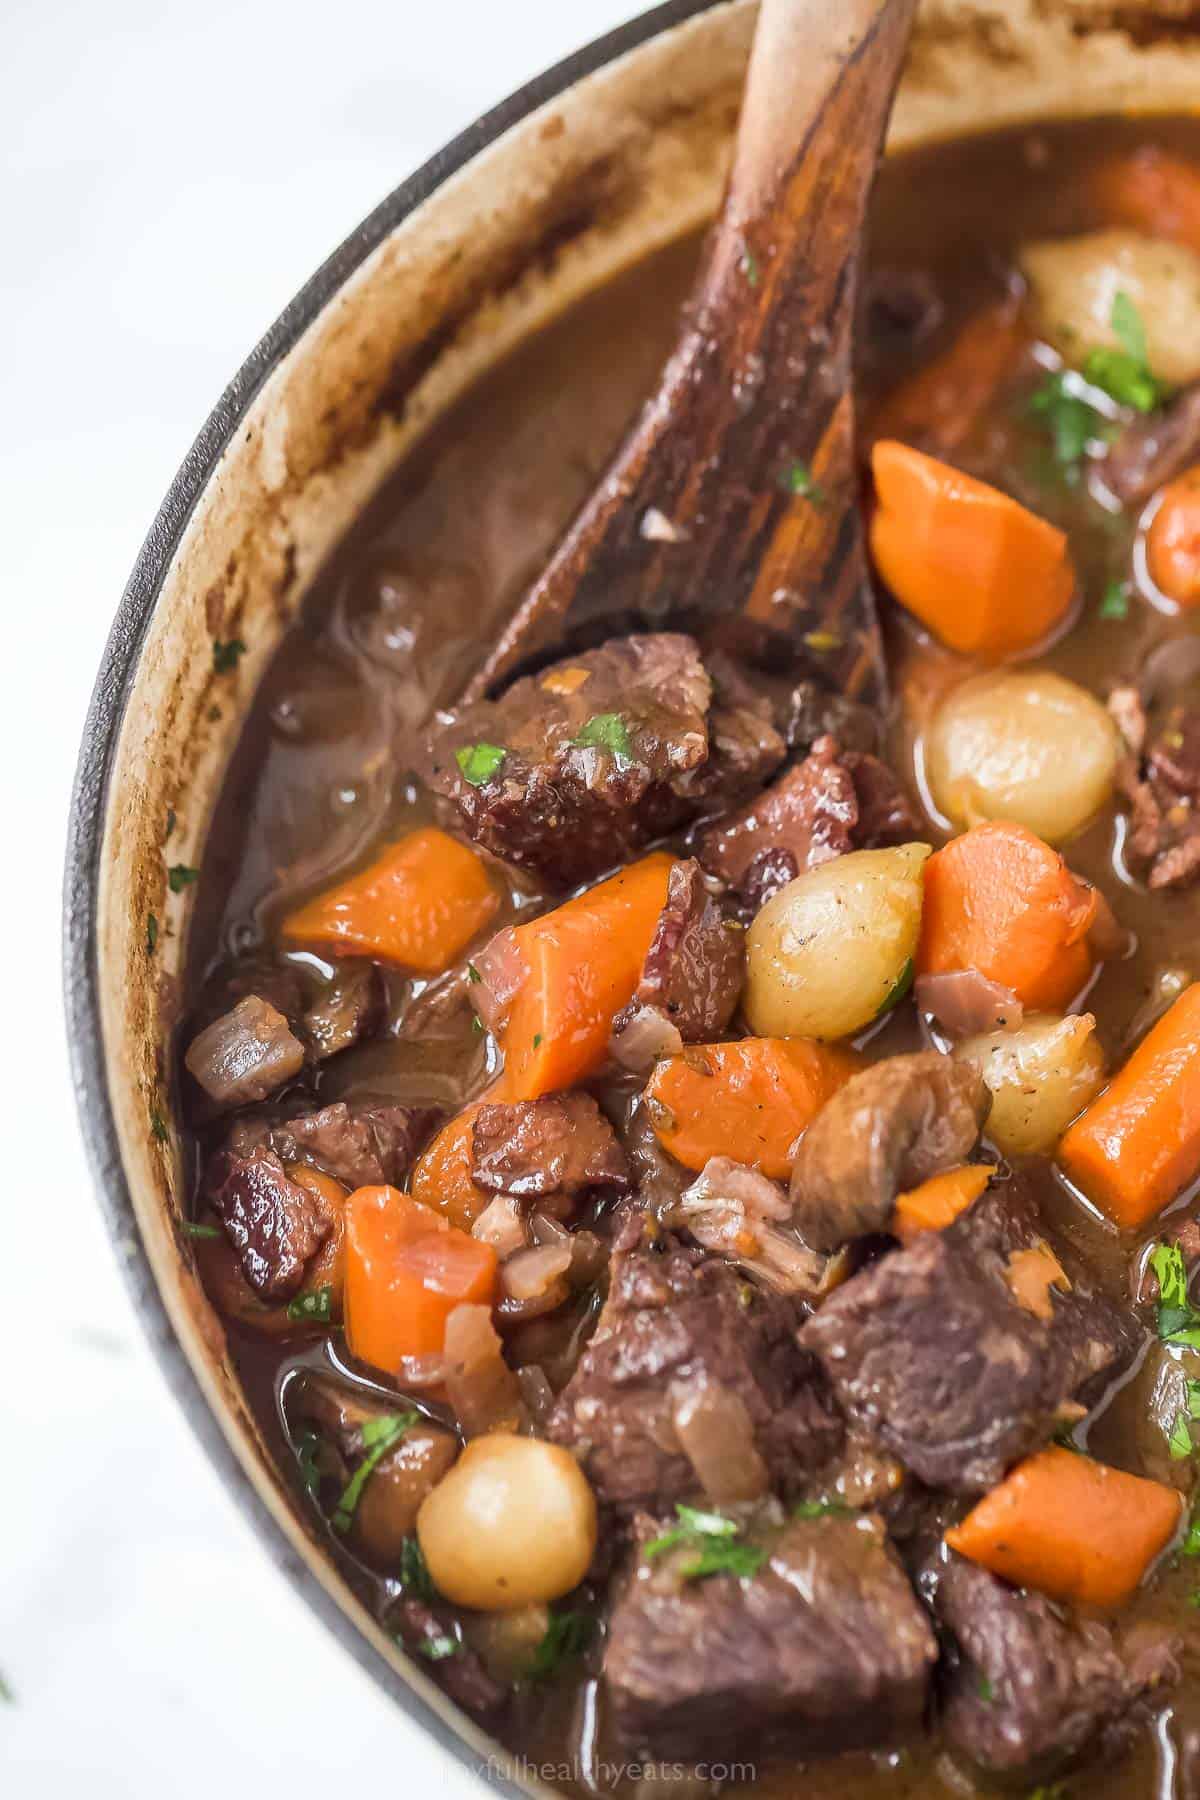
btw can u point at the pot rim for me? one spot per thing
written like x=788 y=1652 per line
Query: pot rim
x=102 y=728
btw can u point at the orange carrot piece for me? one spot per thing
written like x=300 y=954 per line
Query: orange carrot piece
x=575 y=968
x=1138 y=1143
x=1031 y=1274
x=441 y=1177
x=985 y=574
x=1173 y=540
x=406 y=1270
x=750 y=1099
x=999 y=900
x=938 y=1201
x=1153 y=190
x=419 y=904
x=1070 y=1527
x=940 y=404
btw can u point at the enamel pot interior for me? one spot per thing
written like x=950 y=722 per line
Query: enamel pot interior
x=612 y=155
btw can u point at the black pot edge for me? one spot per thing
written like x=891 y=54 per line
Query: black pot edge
x=106 y=713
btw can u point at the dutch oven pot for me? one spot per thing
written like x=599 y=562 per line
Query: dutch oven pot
x=616 y=152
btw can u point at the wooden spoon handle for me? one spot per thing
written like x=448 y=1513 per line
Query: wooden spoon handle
x=732 y=508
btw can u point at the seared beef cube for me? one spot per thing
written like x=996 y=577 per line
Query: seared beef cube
x=345 y=1012
x=549 y=1152
x=745 y=746
x=676 y=1322
x=424 y=1631
x=1150 y=451
x=692 y=977
x=245 y=1055
x=1029 y=1686
x=273 y=1223
x=832 y=802
x=825 y=1648
x=814 y=712
x=933 y=1349
x=888 y=1129
x=1161 y=781
x=364 y=1142
x=575 y=770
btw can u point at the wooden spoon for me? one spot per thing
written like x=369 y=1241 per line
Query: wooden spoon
x=732 y=507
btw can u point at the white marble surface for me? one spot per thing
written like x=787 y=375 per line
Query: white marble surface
x=169 y=174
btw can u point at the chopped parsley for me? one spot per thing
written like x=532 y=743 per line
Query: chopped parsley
x=1178 y=1321
x=1114 y=602
x=749 y=267
x=1180 y=1441
x=1191 y=1537
x=313 y=1306
x=1071 y=420
x=716 y=1541
x=799 y=479
x=1062 y=401
x=6 y=1693
x=987 y=1692
x=158 y=1127
x=306 y=1445
x=898 y=989
x=378 y=1436
x=477 y=1024
x=194 y=1228
x=567 y=1635
x=818 y=1509
x=151 y=934
x=181 y=875
x=606 y=731
x=821 y=642
x=226 y=656
x=537 y=1040
x=437 y=1649
x=414 y=1571
x=1124 y=374
x=473 y=975
x=479 y=762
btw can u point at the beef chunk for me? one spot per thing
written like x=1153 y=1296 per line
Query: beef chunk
x=345 y=1012
x=1153 y=449
x=814 y=712
x=745 y=746
x=887 y=1130
x=549 y=1151
x=245 y=1055
x=825 y=1648
x=364 y=1142
x=675 y=1320
x=1163 y=789
x=419 y=1625
x=692 y=977
x=931 y=1349
x=275 y=1225
x=832 y=802
x=574 y=770
x=1028 y=1686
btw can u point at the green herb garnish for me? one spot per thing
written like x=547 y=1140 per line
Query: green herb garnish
x=227 y=655
x=378 y=1436
x=1177 y=1319
x=473 y=975
x=537 y=1040
x=437 y=1649
x=1191 y=1537
x=151 y=934
x=1180 y=1441
x=749 y=267
x=1114 y=602
x=171 y=819
x=799 y=479
x=6 y=1693
x=606 y=731
x=716 y=1541
x=1070 y=419
x=158 y=1127
x=898 y=989
x=193 y=1228
x=313 y=1306
x=414 y=1571
x=567 y=1635
x=181 y=875
x=306 y=1445
x=1124 y=374
x=819 y=1509
x=479 y=762
x=987 y=1692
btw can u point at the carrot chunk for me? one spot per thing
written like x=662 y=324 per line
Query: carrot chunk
x=570 y=972
x=938 y=1201
x=1173 y=540
x=406 y=1271
x=1138 y=1144
x=1153 y=190
x=441 y=1177
x=419 y=904
x=1000 y=901
x=985 y=574
x=940 y=404
x=749 y=1100
x=1070 y=1527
